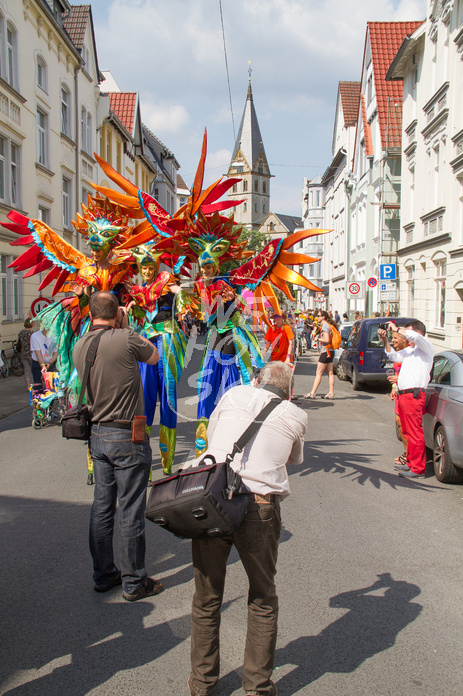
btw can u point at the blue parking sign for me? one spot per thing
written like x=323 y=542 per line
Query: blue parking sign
x=387 y=271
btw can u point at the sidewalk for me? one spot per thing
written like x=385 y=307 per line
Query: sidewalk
x=13 y=395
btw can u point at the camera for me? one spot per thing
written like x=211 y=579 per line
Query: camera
x=382 y=326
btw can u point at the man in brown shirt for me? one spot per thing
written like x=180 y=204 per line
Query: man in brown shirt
x=115 y=396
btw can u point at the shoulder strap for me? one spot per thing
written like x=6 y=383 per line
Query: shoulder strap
x=233 y=479
x=89 y=360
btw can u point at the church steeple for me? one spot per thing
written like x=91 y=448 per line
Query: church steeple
x=249 y=162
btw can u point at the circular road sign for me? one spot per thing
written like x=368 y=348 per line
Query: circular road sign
x=354 y=288
x=372 y=282
x=38 y=304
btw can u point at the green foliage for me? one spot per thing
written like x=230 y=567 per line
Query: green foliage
x=255 y=242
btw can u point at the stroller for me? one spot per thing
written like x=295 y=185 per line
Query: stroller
x=49 y=404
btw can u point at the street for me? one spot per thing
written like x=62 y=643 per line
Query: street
x=369 y=571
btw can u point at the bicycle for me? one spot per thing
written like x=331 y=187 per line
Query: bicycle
x=15 y=365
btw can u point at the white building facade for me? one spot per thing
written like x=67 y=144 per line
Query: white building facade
x=335 y=182
x=430 y=257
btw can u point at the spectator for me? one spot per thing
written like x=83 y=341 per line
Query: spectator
x=325 y=361
x=416 y=363
x=122 y=463
x=43 y=354
x=24 y=347
x=399 y=342
x=345 y=318
x=337 y=318
x=262 y=466
x=281 y=339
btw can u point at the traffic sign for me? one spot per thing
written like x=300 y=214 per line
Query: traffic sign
x=372 y=282
x=355 y=290
x=387 y=271
x=38 y=304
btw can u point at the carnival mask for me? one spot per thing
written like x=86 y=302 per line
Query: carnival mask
x=101 y=234
x=209 y=251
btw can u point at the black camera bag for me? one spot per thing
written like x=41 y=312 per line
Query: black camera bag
x=208 y=500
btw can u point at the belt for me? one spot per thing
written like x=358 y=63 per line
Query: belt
x=411 y=391
x=123 y=425
x=266 y=499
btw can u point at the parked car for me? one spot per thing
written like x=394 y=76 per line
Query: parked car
x=344 y=330
x=443 y=420
x=363 y=359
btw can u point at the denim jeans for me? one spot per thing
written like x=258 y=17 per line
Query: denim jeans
x=121 y=474
x=257 y=544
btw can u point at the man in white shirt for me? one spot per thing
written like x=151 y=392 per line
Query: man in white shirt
x=262 y=467
x=416 y=363
x=43 y=354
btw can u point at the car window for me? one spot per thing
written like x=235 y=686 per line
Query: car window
x=354 y=335
x=374 y=340
x=345 y=331
x=440 y=370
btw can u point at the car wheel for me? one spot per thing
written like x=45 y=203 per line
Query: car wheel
x=340 y=372
x=444 y=468
x=356 y=384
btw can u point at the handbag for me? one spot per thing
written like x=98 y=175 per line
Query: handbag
x=76 y=424
x=206 y=501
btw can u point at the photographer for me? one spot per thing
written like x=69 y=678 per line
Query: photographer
x=416 y=363
x=121 y=456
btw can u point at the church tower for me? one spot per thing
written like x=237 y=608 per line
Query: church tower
x=249 y=163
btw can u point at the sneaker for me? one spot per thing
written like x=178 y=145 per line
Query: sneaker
x=105 y=588
x=150 y=588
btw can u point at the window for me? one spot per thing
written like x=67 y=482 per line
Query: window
x=10 y=172
x=411 y=290
x=11 y=75
x=44 y=214
x=271 y=227
x=42 y=137
x=370 y=89
x=42 y=74
x=264 y=187
x=440 y=278
x=66 y=193
x=245 y=185
x=245 y=207
x=12 y=291
x=65 y=111
x=86 y=130
x=440 y=373
x=255 y=207
x=119 y=157
x=256 y=185
x=86 y=58
x=14 y=175
x=234 y=190
x=263 y=208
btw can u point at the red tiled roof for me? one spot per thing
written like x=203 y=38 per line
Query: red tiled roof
x=366 y=129
x=385 y=40
x=123 y=105
x=350 y=93
x=75 y=24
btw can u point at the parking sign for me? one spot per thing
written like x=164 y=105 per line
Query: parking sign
x=387 y=271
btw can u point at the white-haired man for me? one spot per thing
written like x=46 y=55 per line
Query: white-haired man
x=262 y=467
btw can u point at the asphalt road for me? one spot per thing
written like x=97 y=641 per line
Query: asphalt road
x=370 y=570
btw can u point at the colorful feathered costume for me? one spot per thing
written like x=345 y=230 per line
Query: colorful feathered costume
x=198 y=232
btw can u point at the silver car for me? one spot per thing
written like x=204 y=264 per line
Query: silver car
x=443 y=420
x=344 y=330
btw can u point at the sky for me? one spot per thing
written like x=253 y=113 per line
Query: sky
x=172 y=53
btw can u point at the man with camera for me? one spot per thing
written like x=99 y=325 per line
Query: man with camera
x=416 y=363
x=262 y=467
x=119 y=446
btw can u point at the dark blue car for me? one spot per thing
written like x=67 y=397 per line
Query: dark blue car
x=363 y=359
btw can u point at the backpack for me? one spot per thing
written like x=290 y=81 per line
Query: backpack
x=335 y=337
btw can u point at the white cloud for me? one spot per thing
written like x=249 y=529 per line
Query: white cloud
x=158 y=116
x=172 y=53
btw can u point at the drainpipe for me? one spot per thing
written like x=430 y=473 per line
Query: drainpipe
x=77 y=163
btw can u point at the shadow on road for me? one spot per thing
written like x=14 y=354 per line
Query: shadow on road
x=352 y=465
x=371 y=625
